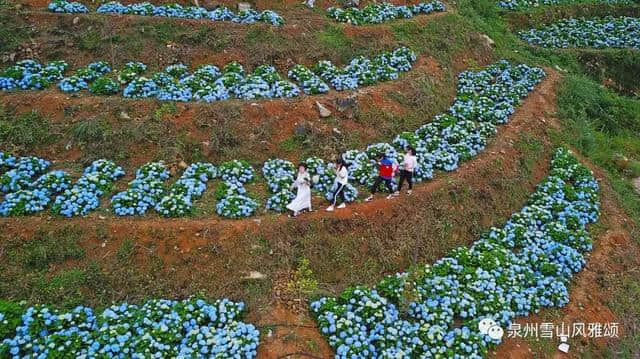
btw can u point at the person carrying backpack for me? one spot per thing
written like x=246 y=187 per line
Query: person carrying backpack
x=386 y=170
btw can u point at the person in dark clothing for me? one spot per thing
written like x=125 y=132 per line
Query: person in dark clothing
x=341 y=181
x=407 y=167
x=386 y=170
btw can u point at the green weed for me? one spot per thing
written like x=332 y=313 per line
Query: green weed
x=45 y=249
x=25 y=131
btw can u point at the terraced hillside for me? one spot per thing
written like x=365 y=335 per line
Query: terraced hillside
x=148 y=152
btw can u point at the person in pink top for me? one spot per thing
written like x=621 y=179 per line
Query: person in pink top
x=407 y=167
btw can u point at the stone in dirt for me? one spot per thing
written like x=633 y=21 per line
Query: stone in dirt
x=255 y=275
x=324 y=111
x=636 y=185
x=206 y=148
x=244 y=6
x=564 y=347
x=488 y=42
x=76 y=20
x=124 y=116
x=352 y=3
x=620 y=161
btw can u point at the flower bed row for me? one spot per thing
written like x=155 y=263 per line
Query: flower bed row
x=599 y=33
x=27 y=196
x=529 y=4
x=485 y=99
x=221 y=13
x=379 y=13
x=362 y=71
x=158 y=328
x=435 y=311
x=207 y=82
x=24 y=195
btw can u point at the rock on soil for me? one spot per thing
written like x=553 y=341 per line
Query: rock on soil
x=255 y=275
x=244 y=6
x=488 y=42
x=324 y=111
x=636 y=185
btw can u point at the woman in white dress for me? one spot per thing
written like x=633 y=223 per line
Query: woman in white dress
x=303 y=196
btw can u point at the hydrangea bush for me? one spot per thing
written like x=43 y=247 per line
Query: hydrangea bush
x=84 y=196
x=236 y=206
x=36 y=196
x=322 y=175
x=22 y=172
x=599 y=33
x=68 y=7
x=279 y=201
x=233 y=198
x=31 y=75
x=189 y=187
x=362 y=71
x=311 y=83
x=379 y=13
x=172 y=11
x=511 y=271
x=280 y=175
x=144 y=191
x=158 y=328
x=529 y=4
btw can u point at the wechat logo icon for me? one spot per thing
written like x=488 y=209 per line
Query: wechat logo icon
x=488 y=326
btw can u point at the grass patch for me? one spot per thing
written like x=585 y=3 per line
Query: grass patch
x=333 y=38
x=602 y=125
x=25 y=131
x=14 y=29
x=126 y=250
x=66 y=288
x=45 y=249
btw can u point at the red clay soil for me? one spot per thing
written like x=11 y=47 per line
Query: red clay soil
x=296 y=18
x=282 y=116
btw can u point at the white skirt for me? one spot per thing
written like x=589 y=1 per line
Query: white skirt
x=302 y=200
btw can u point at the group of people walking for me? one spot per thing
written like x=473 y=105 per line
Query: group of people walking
x=387 y=170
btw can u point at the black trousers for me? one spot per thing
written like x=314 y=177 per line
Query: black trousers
x=338 y=195
x=378 y=181
x=405 y=175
